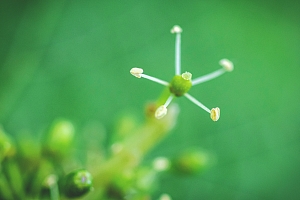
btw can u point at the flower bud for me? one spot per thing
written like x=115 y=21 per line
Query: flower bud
x=191 y=162
x=77 y=184
x=59 y=139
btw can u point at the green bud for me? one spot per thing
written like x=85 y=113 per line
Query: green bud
x=181 y=84
x=191 y=162
x=59 y=139
x=77 y=184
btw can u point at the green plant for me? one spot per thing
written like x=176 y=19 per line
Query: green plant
x=49 y=168
x=181 y=84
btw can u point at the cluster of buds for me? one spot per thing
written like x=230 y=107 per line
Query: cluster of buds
x=182 y=83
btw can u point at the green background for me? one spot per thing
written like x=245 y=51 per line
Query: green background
x=72 y=59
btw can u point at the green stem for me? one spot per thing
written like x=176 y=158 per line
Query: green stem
x=14 y=176
x=135 y=147
x=5 y=191
x=54 y=192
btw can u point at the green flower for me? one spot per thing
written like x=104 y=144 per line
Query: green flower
x=181 y=83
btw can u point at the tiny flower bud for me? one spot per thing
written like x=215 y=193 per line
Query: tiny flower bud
x=161 y=112
x=181 y=84
x=191 y=162
x=226 y=64
x=215 y=114
x=136 y=72
x=176 y=29
x=77 y=183
x=59 y=140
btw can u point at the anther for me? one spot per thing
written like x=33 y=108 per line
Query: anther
x=215 y=114
x=176 y=29
x=161 y=112
x=187 y=76
x=226 y=64
x=137 y=72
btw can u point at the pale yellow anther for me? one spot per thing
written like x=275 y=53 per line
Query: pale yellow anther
x=176 y=29
x=136 y=72
x=187 y=76
x=161 y=112
x=226 y=64
x=215 y=114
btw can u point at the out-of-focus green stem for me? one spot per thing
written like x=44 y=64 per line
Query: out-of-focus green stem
x=15 y=178
x=132 y=150
x=45 y=168
x=54 y=192
x=5 y=191
x=51 y=183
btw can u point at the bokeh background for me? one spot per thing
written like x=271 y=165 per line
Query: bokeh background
x=72 y=59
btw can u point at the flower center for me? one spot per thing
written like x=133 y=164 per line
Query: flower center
x=181 y=84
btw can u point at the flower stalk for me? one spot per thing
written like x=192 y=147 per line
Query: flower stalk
x=129 y=155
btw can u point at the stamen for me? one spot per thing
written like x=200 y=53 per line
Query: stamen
x=136 y=72
x=195 y=101
x=176 y=29
x=162 y=110
x=226 y=64
x=155 y=79
x=215 y=114
x=168 y=101
x=208 y=77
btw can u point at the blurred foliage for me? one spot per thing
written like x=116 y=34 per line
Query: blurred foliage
x=30 y=174
x=71 y=59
